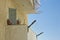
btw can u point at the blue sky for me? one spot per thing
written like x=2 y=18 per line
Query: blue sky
x=48 y=21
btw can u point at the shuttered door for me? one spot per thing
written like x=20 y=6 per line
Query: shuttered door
x=12 y=15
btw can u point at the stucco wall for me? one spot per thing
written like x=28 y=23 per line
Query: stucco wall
x=20 y=15
x=2 y=19
x=4 y=15
x=12 y=32
x=16 y=32
x=18 y=5
x=31 y=35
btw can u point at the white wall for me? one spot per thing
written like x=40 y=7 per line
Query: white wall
x=16 y=32
x=31 y=35
x=13 y=32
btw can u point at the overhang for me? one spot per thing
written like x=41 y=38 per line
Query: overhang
x=26 y=6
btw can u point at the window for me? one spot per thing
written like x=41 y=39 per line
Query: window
x=12 y=17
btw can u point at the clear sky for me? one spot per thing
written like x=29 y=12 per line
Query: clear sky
x=48 y=21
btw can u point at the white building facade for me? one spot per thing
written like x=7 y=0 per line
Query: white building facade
x=31 y=35
x=14 y=21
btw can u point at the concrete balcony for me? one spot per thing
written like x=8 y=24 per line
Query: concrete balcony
x=16 y=32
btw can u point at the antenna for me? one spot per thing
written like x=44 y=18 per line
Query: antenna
x=31 y=23
x=39 y=34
